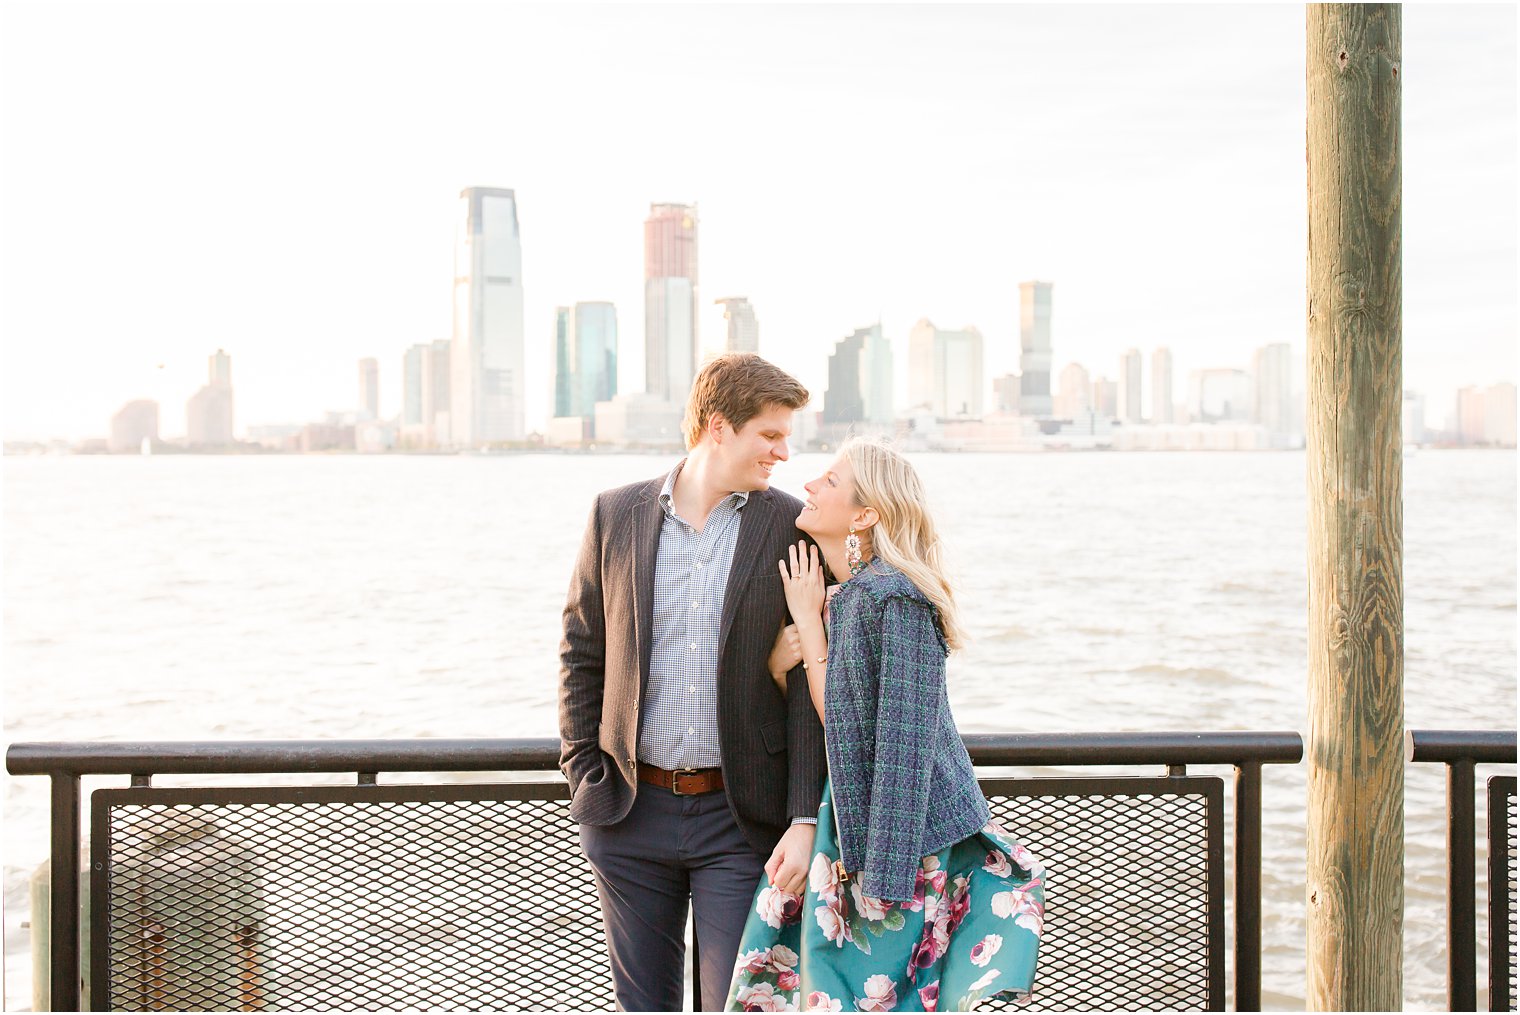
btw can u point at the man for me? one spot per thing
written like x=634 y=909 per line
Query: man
x=690 y=773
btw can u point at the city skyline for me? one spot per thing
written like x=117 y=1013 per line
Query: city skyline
x=1133 y=198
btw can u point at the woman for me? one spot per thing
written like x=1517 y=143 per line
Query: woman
x=915 y=900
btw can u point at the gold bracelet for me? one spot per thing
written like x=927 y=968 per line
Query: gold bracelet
x=820 y=659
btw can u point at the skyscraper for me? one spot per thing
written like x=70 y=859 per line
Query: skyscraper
x=1105 y=398
x=593 y=357
x=671 y=349
x=1161 y=386
x=1129 y=386
x=437 y=372
x=134 y=423
x=1219 y=395
x=219 y=369
x=1272 y=375
x=843 y=401
x=486 y=387
x=1034 y=344
x=563 y=381
x=945 y=370
x=411 y=384
x=1076 y=394
x=369 y=387
x=208 y=413
x=860 y=379
x=743 y=327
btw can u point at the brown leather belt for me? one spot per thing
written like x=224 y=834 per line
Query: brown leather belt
x=683 y=781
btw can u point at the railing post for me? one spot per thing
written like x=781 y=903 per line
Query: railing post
x=1500 y=871
x=64 y=991
x=1248 y=886
x=1461 y=889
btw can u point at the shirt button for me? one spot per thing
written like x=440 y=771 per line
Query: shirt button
x=693 y=646
x=699 y=567
x=692 y=689
x=691 y=730
x=696 y=606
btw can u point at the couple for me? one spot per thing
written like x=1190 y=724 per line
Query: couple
x=843 y=865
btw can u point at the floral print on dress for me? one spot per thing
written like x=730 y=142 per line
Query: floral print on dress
x=971 y=932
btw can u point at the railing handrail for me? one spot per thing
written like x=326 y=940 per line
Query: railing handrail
x=220 y=757
x=1482 y=747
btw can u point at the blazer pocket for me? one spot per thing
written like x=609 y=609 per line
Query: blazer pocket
x=774 y=735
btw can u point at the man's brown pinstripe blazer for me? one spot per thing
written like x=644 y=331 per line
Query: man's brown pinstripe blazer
x=772 y=747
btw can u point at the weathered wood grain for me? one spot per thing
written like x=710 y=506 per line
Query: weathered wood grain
x=1355 y=889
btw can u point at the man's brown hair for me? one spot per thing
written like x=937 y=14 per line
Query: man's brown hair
x=738 y=386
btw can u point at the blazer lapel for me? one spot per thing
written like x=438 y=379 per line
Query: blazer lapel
x=648 y=517
x=755 y=522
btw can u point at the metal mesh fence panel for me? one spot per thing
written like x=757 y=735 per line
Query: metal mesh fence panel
x=345 y=899
x=1134 y=916
x=1501 y=893
x=355 y=898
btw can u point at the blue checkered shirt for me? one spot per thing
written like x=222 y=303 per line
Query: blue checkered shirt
x=678 y=726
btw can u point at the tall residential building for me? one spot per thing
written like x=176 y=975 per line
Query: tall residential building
x=945 y=370
x=1130 y=387
x=1005 y=394
x=592 y=348
x=860 y=379
x=1220 y=396
x=843 y=401
x=1105 y=398
x=743 y=327
x=1414 y=418
x=671 y=342
x=1034 y=345
x=219 y=369
x=208 y=413
x=1470 y=415
x=437 y=373
x=134 y=423
x=1499 y=414
x=1075 y=395
x=878 y=383
x=486 y=387
x=411 y=384
x=563 y=381
x=1272 y=374
x=369 y=387
x=1161 y=386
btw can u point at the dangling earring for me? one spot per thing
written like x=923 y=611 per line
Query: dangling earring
x=852 y=553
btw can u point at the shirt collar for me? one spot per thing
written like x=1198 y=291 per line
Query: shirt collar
x=737 y=499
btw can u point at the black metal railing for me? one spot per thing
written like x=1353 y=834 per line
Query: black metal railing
x=1461 y=751
x=470 y=895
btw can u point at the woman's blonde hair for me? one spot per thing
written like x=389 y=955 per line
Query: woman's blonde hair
x=904 y=535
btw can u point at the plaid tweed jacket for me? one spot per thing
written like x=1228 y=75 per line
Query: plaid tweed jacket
x=902 y=781
x=771 y=746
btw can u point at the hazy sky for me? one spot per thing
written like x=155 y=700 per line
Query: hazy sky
x=280 y=180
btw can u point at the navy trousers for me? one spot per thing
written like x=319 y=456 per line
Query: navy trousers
x=668 y=850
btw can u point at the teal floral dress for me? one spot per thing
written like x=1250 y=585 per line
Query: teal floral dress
x=971 y=933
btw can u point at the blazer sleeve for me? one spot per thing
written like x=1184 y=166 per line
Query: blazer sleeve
x=806 y=763
x=908 y=696
x=582 y=663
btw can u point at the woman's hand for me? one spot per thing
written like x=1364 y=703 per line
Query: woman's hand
x=802 y=577
x=786 y=653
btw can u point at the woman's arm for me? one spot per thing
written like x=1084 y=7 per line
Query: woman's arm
x=802 y=577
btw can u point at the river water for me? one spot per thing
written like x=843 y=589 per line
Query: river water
x=313 y=597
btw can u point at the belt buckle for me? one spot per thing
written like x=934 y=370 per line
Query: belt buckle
x=675 y=780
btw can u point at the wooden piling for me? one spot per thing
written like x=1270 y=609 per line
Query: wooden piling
x=1355 y=889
